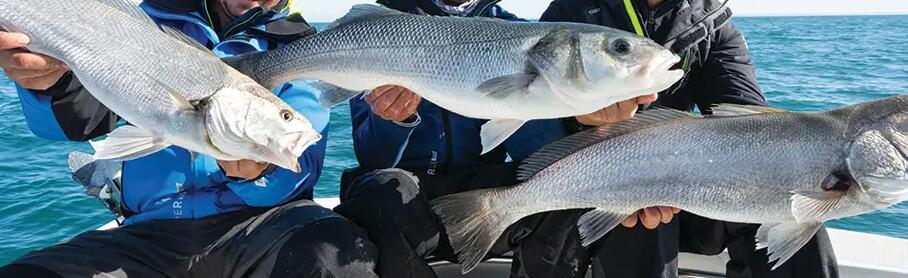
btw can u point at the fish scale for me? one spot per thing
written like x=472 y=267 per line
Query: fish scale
x=153 y=80
x=507 y=72
x=756 y=166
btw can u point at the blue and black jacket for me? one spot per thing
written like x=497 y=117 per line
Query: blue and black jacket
x=171 y=184
x=436 y=139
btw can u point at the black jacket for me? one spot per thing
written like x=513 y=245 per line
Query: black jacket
x=720 y=68
x=486 y=8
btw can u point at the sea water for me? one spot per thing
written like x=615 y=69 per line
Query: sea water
x=803 y=64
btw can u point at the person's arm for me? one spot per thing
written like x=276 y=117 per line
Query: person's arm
x=381 y=136
x=55 y=104
x=727 y=76
x=276 y=185
x=501 y=13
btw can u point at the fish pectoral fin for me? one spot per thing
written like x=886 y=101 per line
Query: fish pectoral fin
x=813 y=206
x=180 y=101
x=127 y=143
x=596 y=223
x=332 y=95
x=727 y=110
x=783 y=240
x=504 y=86
x=496 y=131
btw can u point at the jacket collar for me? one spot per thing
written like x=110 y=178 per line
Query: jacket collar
x=278 y=23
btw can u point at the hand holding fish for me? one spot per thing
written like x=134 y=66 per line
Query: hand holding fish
x=393 y=103
x=651 y=217
x=29 y=70
x=245 y=169
x=616 y=112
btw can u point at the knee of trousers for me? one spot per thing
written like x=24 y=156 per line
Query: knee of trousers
x=338 y=237
x=381 y=193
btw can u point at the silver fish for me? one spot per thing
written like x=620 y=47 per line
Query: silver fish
x=508 y=72
x=172 y=90
x=787 y=171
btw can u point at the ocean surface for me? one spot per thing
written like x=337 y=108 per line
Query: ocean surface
x=804 y=64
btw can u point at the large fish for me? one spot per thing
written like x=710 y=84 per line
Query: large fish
x=787 y=171
x=172 y=90
x=508 y=72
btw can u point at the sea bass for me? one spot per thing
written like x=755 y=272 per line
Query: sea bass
x=787 y=171
x=508 y=72
x=171 y=89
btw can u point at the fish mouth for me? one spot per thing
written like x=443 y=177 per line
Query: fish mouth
x=295 y=145
x=660 y=71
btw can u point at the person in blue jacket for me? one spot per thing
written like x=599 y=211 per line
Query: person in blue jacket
x=411 y=151
x=186 y=215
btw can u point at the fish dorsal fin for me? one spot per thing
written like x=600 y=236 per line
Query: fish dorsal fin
x=727 y=110
x=180 y=36
x=556 y=151
x=129 y=7
x=362 y=11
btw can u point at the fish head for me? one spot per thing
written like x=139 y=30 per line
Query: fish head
x=621 y=65
x=878 y=161
x=256 y=125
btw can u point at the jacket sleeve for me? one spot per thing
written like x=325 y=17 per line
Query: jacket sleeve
x=534 y=135
x=66 y=111
x=378 y=143
x=727 y=76
x=279 y=185
x=501 y=13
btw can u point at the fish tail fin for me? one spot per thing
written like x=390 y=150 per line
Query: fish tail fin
x=472 y=223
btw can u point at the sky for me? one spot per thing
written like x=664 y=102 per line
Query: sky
x=328 y=10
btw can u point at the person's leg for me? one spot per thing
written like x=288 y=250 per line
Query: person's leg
x=701 y=235
x=157 y=248
x=26 y=270
x=548 y=245
x=637 y=252
x=298 y=239
x=815 y=260
x=389 y=206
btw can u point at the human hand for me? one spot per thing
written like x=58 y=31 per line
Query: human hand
x=245 y=169
x=616 y=112
x=651 y=217
x=393 y=103
x=29 y=70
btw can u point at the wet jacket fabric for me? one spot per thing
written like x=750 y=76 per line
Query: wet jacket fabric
x=170 y=184
x=436 y=138
x=720 y=68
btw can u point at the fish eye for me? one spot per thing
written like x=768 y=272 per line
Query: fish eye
x=622 y=47
x=286 y=115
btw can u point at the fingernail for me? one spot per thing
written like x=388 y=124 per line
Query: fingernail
x=23 y=39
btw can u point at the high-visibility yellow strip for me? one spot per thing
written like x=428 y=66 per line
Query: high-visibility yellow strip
x=288 y=6
x=632 y=14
